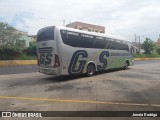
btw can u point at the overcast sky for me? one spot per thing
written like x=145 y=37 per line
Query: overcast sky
x=120 y=17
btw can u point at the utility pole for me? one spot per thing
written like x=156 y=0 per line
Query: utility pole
x=139 y=44
x=135 y=38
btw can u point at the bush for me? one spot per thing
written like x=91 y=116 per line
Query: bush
x=26 y=57
x=8 y=53
x=31 y=51
x=153 y=55
x=14 y=54
x=158 y=50
x=148 y=46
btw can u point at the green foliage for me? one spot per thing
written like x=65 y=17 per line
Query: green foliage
x=12 y=44
x=153 y=55
x=26 y=57
x=31 y=51
x=10 y=38
x=18 y=57
x=20 y=45
x=32 y=44
x=8 y=53
x=12 y=54
x=158 y=50
x=148 y=45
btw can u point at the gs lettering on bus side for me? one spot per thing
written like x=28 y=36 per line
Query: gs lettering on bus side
x=103 y=60
x=45 y=58
x=75 y=59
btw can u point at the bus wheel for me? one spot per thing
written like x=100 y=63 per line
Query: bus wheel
x=125 y=66
x=91 y=70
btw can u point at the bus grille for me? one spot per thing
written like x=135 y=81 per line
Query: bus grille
x=45 y=50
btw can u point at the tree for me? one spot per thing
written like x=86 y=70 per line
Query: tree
x=20 y=45
x=158 y=50
x=10 y=38
x=31 y=50
x=148 y=46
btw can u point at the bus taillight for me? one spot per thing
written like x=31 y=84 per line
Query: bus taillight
x=56 y=63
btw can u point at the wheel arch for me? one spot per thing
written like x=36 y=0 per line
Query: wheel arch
x=91 y=62
x=127 y=61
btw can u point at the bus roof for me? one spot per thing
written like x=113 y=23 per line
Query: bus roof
x=94 y=33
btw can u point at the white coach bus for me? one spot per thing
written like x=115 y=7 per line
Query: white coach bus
x=67 y=51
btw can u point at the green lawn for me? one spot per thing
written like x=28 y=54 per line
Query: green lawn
x=29 y=57
x=26 y=57
x=153 y=55
x=19 y=57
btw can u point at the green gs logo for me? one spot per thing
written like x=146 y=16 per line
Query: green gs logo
x=45 y=58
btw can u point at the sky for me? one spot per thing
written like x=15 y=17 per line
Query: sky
x=120 y=17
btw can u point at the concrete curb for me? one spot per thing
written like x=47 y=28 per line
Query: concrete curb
x=33 y=62
x=137 y=59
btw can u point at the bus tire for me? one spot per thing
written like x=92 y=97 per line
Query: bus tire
x=126 y=65
x=91 y=70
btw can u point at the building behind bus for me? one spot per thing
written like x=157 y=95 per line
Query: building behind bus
x=86 y=27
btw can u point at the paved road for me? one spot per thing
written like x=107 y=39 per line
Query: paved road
x=134 y=89
x=18 y=69
x=34 y=68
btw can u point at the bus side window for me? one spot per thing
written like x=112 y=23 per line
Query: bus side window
x=111 y=45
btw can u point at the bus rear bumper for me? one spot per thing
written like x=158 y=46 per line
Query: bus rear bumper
x=49 y=71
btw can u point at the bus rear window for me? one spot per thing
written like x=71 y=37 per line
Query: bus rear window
x=45 y=34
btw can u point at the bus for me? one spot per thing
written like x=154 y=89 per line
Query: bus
x=68 y=51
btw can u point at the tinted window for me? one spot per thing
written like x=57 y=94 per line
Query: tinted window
x=74 y=39
x=100 y=42
x=111 y=44
x=82 y=40
x=119 y=45
x=45 y=34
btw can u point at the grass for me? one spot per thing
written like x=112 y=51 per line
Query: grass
x=30 y=57
x=153 y=55
x=19 y=57
x=26 y=57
